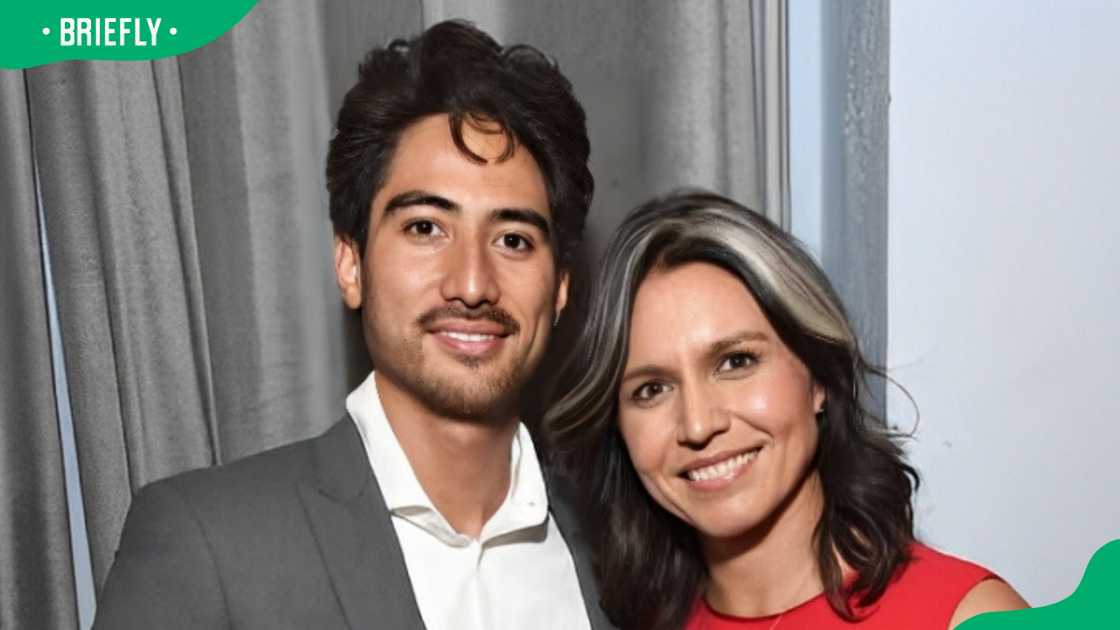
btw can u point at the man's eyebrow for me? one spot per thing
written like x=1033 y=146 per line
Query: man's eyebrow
x=522 y=215
x=419 y=198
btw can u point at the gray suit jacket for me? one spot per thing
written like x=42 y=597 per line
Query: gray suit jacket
x=296 y=537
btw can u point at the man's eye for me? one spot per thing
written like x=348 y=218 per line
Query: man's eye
x=515 y=242
x=737 y=361
x=423 y=228
x=649 y=391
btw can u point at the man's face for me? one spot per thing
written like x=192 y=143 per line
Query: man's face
x=458 y=285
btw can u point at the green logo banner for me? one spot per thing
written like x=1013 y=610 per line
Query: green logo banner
x=1095 y=603
x=35 y=32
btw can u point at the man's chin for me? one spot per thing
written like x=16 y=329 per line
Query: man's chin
x=486 y=396
x=457 y=385
x=477 y=364
x=467 y=405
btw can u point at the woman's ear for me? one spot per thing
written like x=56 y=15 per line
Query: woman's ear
x=819 y=398
x=348 y=270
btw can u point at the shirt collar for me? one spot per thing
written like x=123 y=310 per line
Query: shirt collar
x=390 y=465
x=526 y=504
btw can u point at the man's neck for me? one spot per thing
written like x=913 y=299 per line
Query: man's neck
x=463 y=466
x=773 y=567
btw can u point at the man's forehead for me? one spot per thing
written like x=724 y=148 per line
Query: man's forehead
x=427 y=159
x=484 y=138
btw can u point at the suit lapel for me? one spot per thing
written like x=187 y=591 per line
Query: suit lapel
x=355 y=535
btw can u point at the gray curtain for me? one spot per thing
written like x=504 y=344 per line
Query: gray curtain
x=857 y=95
x=190 y=247
x=683 y=93
x=36 y=574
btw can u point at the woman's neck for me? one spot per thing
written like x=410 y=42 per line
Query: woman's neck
x=774 y=566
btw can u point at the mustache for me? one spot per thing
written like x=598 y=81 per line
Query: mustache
x=488 y=312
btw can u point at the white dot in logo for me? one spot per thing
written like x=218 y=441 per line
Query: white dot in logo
x=46 y=30
x=174 y=31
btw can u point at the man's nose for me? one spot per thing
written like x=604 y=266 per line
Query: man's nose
x=470 y=275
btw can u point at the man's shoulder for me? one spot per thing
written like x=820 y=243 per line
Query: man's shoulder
x=235 y=537
x=247 y=482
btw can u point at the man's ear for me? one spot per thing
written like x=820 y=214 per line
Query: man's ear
x=348 y=270
x=561 y=299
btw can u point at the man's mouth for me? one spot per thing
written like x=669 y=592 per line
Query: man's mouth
x=476 y=334
x=468 y=337
x=478 y=339
x=470 y=329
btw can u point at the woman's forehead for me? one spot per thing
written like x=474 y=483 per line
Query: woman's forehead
x=692 y=304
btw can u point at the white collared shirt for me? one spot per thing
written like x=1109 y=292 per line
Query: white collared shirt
x=518 y=574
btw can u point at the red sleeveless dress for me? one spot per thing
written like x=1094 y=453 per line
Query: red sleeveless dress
x=924 y=596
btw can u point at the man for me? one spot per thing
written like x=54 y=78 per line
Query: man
x=459 y=185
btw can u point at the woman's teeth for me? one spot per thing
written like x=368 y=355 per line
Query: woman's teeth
x=722 y=469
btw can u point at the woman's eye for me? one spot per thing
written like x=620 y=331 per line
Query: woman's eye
x=515 y=242
x=649 y=391
x=737 y=361
x=423 y=228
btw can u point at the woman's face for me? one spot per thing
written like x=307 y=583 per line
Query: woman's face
x=717 y=413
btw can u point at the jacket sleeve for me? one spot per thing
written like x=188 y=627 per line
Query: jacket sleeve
x=164 y=574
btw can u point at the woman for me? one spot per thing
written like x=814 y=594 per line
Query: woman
x=715 y=410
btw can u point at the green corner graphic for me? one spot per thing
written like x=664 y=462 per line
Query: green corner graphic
x=36 y=32
x=1094 y=605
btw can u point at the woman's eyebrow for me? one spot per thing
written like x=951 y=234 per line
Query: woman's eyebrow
x=644 y=371
x=735 y=339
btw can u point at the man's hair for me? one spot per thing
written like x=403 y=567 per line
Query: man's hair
x=454 y=68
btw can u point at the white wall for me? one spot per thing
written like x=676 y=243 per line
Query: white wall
x=1004 y=277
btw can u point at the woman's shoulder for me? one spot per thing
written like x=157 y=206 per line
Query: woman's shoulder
x=932 y=585
x=929 y=567
x=926 y=594
x=957 y=589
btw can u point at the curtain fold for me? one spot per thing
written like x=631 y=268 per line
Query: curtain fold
x=769 y=95
x=35 y=561
x=856 y=125
x=257 y=128
x=687 y=93
x=126 y=275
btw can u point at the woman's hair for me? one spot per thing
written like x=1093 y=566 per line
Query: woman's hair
x=649 y=562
